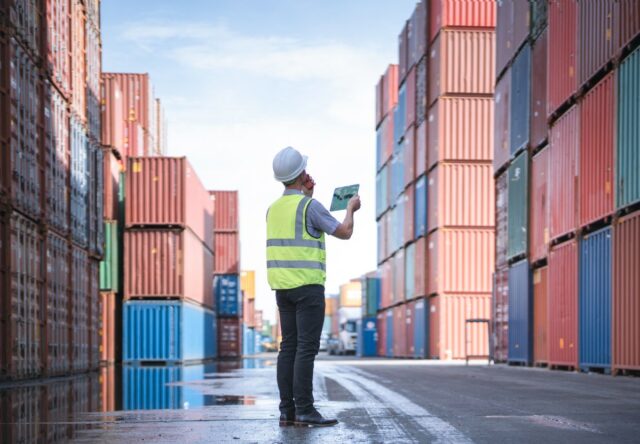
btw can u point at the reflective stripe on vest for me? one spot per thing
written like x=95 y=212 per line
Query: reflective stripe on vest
x=294 y=257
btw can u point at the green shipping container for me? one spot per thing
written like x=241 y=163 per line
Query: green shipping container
x=109 y=266
x=518 y=211
x=628 y=138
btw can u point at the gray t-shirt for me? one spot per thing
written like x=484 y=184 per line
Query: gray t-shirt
x=319 y=219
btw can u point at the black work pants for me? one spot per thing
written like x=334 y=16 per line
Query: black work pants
x=301 y=318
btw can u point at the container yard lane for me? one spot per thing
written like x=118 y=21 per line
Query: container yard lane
x=375 y=400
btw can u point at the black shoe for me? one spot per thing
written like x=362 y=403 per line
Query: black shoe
x=287 y=419
x=314 y=419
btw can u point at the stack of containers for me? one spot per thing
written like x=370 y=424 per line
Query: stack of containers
x=226 y=272
x=575 y=138
x=366 y=327
x=248 y=290
x=50 y=198
x=168 y=313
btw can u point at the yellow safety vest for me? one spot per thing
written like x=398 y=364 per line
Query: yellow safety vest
x=294 y=257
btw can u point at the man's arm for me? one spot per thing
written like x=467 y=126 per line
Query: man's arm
x=345 y=229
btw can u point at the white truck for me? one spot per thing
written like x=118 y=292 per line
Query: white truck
x=348 y=336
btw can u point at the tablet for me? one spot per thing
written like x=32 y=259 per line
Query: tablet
x=341 y=197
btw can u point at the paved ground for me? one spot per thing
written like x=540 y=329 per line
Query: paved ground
x=375 y=401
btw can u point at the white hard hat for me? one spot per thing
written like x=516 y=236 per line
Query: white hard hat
x=288 y=164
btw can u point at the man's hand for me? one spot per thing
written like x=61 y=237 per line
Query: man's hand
x=308 y=186
x=354 y=203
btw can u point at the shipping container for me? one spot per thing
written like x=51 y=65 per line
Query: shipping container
x=420 y=207
x=80 y=303
x=351 y=294
x=421 y=90
x=539 y=130
x=248 y=283
x=229 y=338
x=520 y=313
x=460 y=14
x=594 y=301
x=596 y=150
x=381 y=326
x=166 y=191
x=520 y=100
x=396 y=181
x=409 y=309
x=421 y=270
x=167 y=264
x=26 y=20
x=460 y=260
x=628 y=138
x=540 y=316
x=421 y=148
x=518 y=219
x=500 y=315
x=109 y=322
x=95 y=200
x=113 y=115
x=397 y=226
x=58 y=43
x=57 y=304
x=382 y=239
x=403 y=53
x=626 y=288
x=22 y=415
x=389 y=333
x=78 y=59
x=390 y=90
x=421 y=329
x=539 y=207
x=226 y=257
x=461 y=195
x=382 y=191
x=462 y=62
x=448 y=321
x=371 y=293
x=226 y=209
x=460 y=130
x=629 y=26
x=386 y=282
x=367 y=344
x=110 y=264
x=539 y=14
x=398 y=294
x=111 y=174
x=563 y=174
x=399 y=118
x=597 y=36
x=167 y=331
x=94 y=71
x=137 y=98
x=409 y=156
x=228 y=297
x=409 y=216
x=563 y=305
x=502 y=219
x=79 y=182
x=563 y=53
x=248 y=341
x=505 y=47
x=95 y=313
x=400 y=340
x=410 y=271
x=502 y=122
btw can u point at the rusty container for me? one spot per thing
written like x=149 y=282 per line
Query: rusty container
x=500 y=315
x=562 y=305
x=596 y=152
x=540 y=316
x=460 y=195
x=229 y=338
x=502 y=219
x=137 y=97
x=164 y=263
x=597 y=35
x=462 y=62
x=502 y=123
x=166 y=191
x=78 y=60
x=460 y=129
x=112 y=114
x=109 y=322
x=563 y=173
x=58 y=48
x=226 y=253
x=460 y=260
x=562 y=59
x=226 y=209
x=539 y=207
x=626 y=288
x=460 y=14
x=538 y=115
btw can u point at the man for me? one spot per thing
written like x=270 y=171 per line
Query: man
x=296 y=225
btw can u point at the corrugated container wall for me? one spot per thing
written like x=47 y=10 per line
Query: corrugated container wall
x=112 y=114
x=228 y=296
x=520 y=313
x=518 y=220
x=108 y=329
x=505 y=48
x=409 y=147
x=629 y=25
x=595 y=300
x=421 y=329
x=229 y=338
x=500 y=315
x=80 y=303
x=502 y=126
x=94 y=71
x=110 y=264
x=79 y=181
x=420 y=267
x=58 y=48
x=410 y=271
x=538 y=114
x=381 y=325
x=520 y=100
x=78 y=60
x=626 y=288
x=502 y=219
x=597 y=36
x=420 y=207
x=539 y=15
x=539 y=207
x=563 y=53
x=226 y=208
x=403 y=53
x=226 y=253
x=540 y=316
x=563 y=305
x=457 y=14
x=111 y=182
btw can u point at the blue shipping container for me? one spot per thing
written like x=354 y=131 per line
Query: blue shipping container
x=379 y=143
x=397 y=176
x=79 y=187
x=420 y=208
x=248 y=341
x=168 y=331
x=520 y=100
x=227 y=294
x=421 y=329
x=594 y=300
x=389 y=333
x=367 y=344
x=520 y=313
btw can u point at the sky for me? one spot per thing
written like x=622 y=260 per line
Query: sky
x=242 y=79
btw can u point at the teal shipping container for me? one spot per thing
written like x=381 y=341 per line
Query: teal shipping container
x=382 y=191
x=628 y=137
x=518 y=212
x=248 y=341
x=371 y=291
x=110 y=264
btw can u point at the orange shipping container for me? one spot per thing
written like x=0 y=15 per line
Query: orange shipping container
x=540 y=322
x=248 y=283
x=462 y=62
x=461 y=129
x=447 y=324
x=460 y=14
x=351 y=294
x=226 y=253
x=460 y=261
x=167 y=263
x=108 y=329
x=461 y=195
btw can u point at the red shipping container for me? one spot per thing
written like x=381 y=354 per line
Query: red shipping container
x=563 y=173
x=400 y=349
x=137 y=97
x=226 y=253
x=628 y=26
x=112 y=167
x=229 y=338
x=390 y=90
x=381 y=327
x=398 y=294
x=112 y=112
x=167 y=264
x=386 y=284
x=410 y=106
x=226 y=209
x=421 y=149
x=562 y=53
x=78 y=60
x=58 y=44
x=108 y=336
x=409 y=219
x=461 y=129
x=538 y=115
x=502 y=219
x=421 y=270
x=403 y=53
x=133 y=140
x=462 y=62
x=57 y=304
x=80 y=301
x=447 y=325
x=461 y=14
x=562 y=305
x=409 y=155
x=502 y=122
x=460 y=261
x=626 y=288
x=166 y=191
x=461 y=195
x=539 y=207
x=597 y=35
x=500 y=315
x=597 y=133
x=410 y=313
x=540 y=322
